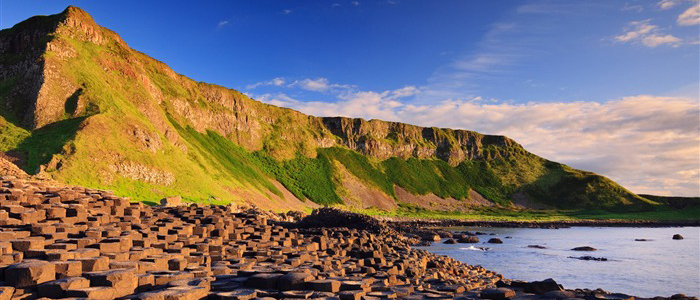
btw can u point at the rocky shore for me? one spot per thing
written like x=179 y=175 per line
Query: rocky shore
x=424 y=223
x=62 y=242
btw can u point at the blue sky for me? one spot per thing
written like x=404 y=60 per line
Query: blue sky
x=608 y=86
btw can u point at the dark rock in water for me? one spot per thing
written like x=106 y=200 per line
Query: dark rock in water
x=617 y=296
x=468 y=240
x=541 y=287
x=495 y=241
x=677 y=237
x=497 y=294
x=584 y=248
x=450 y=241
x=642 y=240
x=424 y=244
x=492 y=233
x=590 y=258
x=536 y=246
x=480 y=233
x=509 y=237
x=679 y=296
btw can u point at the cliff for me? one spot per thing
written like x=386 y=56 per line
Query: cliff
x=79 y=105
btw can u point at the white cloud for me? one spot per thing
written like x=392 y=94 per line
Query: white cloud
x=355 y=3
x=286 y=11
x=656 y=40
x=318 y=85
x=648 y=144
x=646 y=33
x=279 y=81
x=667 y=4
x=690 y=17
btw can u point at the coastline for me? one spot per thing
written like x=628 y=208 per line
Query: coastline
x=427 y=223
x=70 y=242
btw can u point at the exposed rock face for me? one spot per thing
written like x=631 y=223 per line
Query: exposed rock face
x=45 y=89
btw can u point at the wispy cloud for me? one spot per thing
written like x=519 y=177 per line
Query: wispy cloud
x=667 y=4
x=287 y=11
x=690 y=17
x=319 y=84
x=355 y=3
x=648 y=144
x=279 y=81
x=647 y=34
x=222 y=24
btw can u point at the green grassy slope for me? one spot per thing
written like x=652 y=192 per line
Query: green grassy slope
x=129 y=123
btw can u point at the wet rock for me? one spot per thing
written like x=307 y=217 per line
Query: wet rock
x=584 y=248
x=541 y=287
x=468 y=240
x=537 y=246
x=677 y=237
x=587 y=257
x=495 y=241
x=450 y=241
x=642 y=240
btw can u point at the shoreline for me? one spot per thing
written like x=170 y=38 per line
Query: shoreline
x=432 y=223
x=72 y=242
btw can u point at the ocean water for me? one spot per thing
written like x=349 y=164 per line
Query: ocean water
x=659 y=267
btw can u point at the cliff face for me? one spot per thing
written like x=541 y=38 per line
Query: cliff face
x=65 y=76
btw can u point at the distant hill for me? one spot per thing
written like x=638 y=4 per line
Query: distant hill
x=79 y=105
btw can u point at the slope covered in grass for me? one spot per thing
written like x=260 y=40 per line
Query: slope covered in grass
x=107 y=116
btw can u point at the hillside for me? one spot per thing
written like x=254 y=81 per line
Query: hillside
x=77 y=104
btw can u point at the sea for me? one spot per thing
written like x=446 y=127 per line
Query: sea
x=659 y=266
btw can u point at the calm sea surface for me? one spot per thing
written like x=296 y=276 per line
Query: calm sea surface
x=660 y=267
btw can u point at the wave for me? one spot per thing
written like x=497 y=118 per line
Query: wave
x=472 y=248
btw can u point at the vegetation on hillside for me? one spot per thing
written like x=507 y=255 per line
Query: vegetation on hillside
x=118 y=123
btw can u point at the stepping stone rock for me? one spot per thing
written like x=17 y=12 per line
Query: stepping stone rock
x=57 y=288
x=236 y=295
x=497 y=294
x=30 y=273
x=327 y=285
x=6 y=292
x=677 y=237
x=495 y=241
x=263 y=280
x=293 y=281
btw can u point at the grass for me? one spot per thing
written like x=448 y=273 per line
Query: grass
x=489 y=214
x=121 y=89
x=44 y=142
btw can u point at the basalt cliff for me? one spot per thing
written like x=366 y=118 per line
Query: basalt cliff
x=78 y=105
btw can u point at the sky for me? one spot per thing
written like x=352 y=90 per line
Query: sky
x=607 y=86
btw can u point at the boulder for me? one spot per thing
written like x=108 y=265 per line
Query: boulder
x=495 y=241
x=171 y=201
x=677 y=237
x=468 y=240
x=537 y=246
x=450 y=241
x=541 y=287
